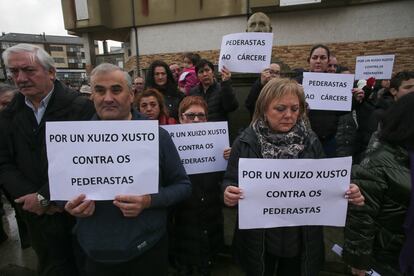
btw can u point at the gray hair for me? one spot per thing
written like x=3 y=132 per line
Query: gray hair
x=4 y=88
x=45 y=60
x=105 y=68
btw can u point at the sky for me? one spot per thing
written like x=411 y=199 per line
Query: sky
x=32 y=17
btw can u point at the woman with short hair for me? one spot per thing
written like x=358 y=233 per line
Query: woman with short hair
x=278 y=131
x=150 y=102
x=198 y=221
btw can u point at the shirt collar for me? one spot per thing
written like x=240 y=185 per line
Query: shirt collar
x=43 y=103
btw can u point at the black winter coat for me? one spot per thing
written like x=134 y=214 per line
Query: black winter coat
x=374 y=232
x=172 y=99
x=324 y=123
x=251 y=99
x=23 y=160
x=250 y=243
x=369 y=114
x=346 y=135
x=198 y=222
x=220 y=100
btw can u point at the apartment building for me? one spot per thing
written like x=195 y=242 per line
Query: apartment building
x=67 y=51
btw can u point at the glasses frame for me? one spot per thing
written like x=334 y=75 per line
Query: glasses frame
x=191 y=116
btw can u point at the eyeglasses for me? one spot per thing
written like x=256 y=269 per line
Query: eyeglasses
x=192 y=116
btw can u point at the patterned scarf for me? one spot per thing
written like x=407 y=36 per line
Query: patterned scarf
x=281 y=145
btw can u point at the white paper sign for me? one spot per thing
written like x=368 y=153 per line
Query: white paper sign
x=102 y=159
x=246 y=52
x=325 y=91
x=293 y=192
x=379 y=67
x=338 y=250
x=201 y=145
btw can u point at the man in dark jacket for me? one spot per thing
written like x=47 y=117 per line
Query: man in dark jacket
x=127 y=236
x=266 y=75
x=7 y=93
x=23 y=162
x=219 y=96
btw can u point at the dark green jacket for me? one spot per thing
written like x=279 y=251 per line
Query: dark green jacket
x=374 y=232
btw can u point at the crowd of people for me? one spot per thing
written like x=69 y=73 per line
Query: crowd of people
x=179 y=230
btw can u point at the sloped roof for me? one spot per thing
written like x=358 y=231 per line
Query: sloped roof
x=40 y=38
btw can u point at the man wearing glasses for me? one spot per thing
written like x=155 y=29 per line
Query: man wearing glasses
x=267 y=74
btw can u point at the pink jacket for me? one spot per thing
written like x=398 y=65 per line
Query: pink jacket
x=188 y=79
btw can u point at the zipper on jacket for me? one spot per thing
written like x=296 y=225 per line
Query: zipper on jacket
x=305 y=258
x=263 y=251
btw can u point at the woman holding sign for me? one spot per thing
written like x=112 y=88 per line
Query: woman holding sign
x=278 y=131
x=197 y=234
x=324 y=122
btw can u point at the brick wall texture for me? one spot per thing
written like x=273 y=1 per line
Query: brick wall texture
x=295 y=56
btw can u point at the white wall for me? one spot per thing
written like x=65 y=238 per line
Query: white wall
x=345 y=24
x=187 y=36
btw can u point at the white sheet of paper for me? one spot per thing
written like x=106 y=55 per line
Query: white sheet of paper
x=201 y=145
x=246 y=52
x=379 y=67
x=293 y=192
x=102 y=159
x=338 y=250
x=325 y=91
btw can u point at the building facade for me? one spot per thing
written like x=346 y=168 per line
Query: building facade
x=157 y=29
x=160 y=29
x=68 y=53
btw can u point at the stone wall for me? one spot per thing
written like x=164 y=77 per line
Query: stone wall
x=295 y=56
